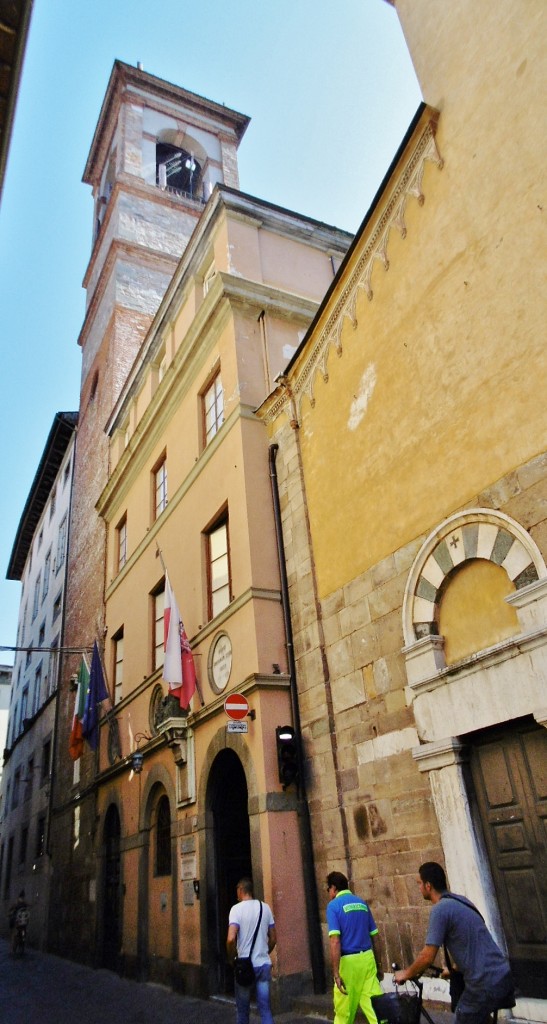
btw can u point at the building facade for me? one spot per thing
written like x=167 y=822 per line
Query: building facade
x=39 y=561
x=146 y=863
x=146 y=203
x=5 y=693
x=410 y=431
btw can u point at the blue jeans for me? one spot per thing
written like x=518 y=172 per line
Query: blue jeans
x=475 y=1007
x=263 y=977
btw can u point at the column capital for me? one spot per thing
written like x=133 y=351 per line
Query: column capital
x=439 y=754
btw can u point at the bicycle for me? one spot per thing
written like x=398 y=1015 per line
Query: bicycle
x=403 y=1007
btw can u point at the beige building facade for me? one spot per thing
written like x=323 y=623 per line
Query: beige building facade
x=189 y=480
x=179 y=349
x=411 y=463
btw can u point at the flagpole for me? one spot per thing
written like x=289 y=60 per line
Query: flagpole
x=164 y=567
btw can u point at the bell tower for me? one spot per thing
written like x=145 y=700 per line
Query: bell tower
x=156 y=155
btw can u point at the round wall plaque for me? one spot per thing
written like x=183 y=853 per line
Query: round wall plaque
x=220 y=662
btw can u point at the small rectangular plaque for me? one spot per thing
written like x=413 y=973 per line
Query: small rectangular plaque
x=237 y=727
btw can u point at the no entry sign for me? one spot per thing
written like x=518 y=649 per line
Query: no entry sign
x=236 y=706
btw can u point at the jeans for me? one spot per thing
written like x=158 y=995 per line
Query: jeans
x=475 y=1007
x=263 y=976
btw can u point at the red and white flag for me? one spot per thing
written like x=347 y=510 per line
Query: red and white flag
x=178 y=666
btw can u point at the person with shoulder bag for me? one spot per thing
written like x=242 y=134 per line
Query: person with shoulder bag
x=251 y=938
x=480 y=979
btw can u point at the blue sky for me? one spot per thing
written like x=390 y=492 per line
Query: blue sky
x=330 y=90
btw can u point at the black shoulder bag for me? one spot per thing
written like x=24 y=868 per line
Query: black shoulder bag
x=244 y=972
x=456 y=980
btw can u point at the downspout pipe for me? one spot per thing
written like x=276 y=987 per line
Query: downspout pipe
x=310 y=887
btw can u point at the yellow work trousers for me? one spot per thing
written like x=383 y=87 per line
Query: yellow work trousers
x=358 y=972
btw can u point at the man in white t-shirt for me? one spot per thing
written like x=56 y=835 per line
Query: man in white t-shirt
x=242 y=923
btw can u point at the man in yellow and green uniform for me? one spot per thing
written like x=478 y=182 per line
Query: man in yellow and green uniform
x=354 y=951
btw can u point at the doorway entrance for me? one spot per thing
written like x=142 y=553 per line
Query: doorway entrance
x=227 y=799
x=509 y=770
x=112 y=923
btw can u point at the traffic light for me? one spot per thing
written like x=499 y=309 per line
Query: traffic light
x=287 y=754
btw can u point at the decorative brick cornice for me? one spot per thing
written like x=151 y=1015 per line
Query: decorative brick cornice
x=405 y=183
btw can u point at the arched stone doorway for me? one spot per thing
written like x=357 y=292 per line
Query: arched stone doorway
x=227 y=806
x=112 y=891
x=475 y=627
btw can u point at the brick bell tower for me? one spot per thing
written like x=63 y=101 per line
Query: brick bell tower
x=156 y=155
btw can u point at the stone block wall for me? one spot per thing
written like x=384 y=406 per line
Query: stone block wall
x=371 y=808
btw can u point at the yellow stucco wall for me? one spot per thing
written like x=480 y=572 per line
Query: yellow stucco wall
x=440 y=389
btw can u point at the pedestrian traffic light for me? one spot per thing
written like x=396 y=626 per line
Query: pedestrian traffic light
x=287 y=754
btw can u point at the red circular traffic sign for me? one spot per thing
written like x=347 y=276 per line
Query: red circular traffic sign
x=236 y=706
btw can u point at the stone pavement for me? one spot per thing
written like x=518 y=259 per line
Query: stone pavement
x=39 y=988
x=42 y=989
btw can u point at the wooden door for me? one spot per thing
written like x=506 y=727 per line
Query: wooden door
x=509 y=768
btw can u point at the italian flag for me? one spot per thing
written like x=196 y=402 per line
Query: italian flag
x=76 y=742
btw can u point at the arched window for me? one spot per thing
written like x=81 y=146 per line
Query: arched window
x=163 y=837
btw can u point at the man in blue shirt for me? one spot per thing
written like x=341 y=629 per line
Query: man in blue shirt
x=456 y=923
x=354 y=950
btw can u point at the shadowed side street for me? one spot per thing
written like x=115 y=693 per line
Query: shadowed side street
x=42 y=989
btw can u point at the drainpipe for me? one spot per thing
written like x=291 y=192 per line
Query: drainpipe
x=310 y=887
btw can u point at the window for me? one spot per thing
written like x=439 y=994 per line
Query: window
x=213 y=409
x=158 y=599
x=9 y=861
x=117 y=641
x=61 y=544
x=40 y=538
x=40 y=847
x=29 y=778
x=23 y=845
x=16 y=787
x=47 y=571
x=37 y=689
x=52 y=503
x=162 y=365
x=159 y=476
x=219 y=569
x=50 y=681
x=46 y=758
x=24 y=706
x=36 y=601
x=42 y=635
x=208 y=277
x=163 y=837
x=121 y=543
x=24 y=623
x=56 y=608
x=66 y=474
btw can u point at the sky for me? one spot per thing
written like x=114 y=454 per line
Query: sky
x=330 y=90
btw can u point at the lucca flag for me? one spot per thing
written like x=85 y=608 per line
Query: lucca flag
x=76 y=742
x=178 y=667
